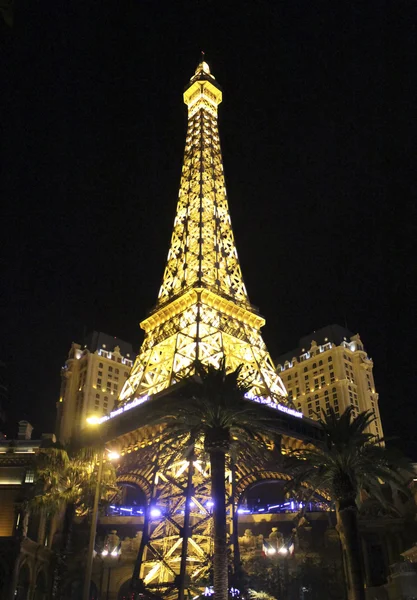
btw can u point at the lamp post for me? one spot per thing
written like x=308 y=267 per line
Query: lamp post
x=280 y=551
x=109 y=554
x=90 y=555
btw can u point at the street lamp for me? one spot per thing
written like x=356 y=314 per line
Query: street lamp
x=109 y=555
x=93 y=420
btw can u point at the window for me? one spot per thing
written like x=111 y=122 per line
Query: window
x=126 y=374
x=100 y=365
x=110 y=369
x=322 y=380
x=306 y=377
x=30 y=476
x=110 y=376
x=109 y=384
x=314 y=365
x=289 y=377
x=316 y=382
x=98 y=381
x=97 y=395
x=100 y=373
x=316 y=397
x=329 y=359
x=115 y=386
x=320 y=363
x=116 y=371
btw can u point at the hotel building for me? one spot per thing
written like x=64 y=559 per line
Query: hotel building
x=92 y=377
x=330 y=368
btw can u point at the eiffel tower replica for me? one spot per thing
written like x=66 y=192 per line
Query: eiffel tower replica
x=203 y=311
x=202 y=314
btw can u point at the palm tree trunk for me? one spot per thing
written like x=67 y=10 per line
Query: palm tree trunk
x=237 y=567
x=61 y=563
x=186 y=528
x=347 y=525
x=218 y=493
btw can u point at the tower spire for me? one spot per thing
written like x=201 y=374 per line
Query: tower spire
x=203 y=310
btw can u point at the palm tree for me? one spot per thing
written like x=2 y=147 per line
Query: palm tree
x=66 y=484
x=213 y=410
x=350 y=460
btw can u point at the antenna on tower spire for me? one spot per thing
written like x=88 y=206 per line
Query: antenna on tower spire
x=202 y=55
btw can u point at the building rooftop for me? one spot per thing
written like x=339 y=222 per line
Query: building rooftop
x=97 y=340
x=331 y=333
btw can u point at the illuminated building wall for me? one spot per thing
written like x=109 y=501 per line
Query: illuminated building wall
x=92 y=377
x=26 y=537
x=330 y=368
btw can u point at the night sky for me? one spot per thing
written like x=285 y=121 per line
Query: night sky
x=318 y=131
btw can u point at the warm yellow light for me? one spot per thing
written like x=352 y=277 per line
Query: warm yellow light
x=93 y=420
x=112 y=455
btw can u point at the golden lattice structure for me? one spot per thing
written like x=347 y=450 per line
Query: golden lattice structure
x=203 y=311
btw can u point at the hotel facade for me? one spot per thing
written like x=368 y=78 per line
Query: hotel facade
x=330 y=368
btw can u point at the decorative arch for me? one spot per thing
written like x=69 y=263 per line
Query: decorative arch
x=260 y=476
x=137 y=479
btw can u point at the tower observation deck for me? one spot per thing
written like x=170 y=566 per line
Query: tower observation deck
x=203 y=311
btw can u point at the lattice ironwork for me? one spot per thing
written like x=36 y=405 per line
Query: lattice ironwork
x=203 y=311
x=174 y=488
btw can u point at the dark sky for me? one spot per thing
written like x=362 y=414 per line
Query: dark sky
x=317 y=128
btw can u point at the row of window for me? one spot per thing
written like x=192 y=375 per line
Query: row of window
x=108 y=384
x=110 y=370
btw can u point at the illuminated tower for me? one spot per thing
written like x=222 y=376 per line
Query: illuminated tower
x=203 y=314
x=203 y=311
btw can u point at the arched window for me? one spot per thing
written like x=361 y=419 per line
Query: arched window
x=305 y=369
x=314 y=365
x=329 y=359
